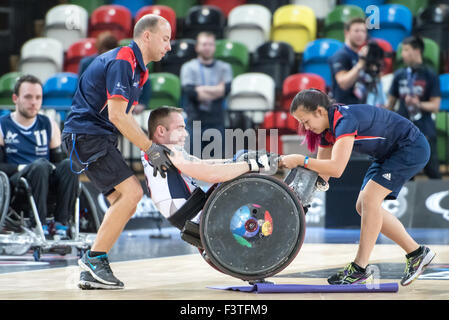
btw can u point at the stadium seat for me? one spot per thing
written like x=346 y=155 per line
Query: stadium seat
x=414 y=5
x=298 y=82
x=67 y=23
x=58 y=92
x=395 y=24
x=336 y=19
x=181 y=7
x=225 y=6
x=249 y=24
x=133 y=6
x=253 y=93
x=271 y=5
x=316 y=56
x=276 y=59
x=89 y=5
x=431 y=55
x=321 y=7
x=77 y=51
x=204 y=18
x=433 y=23
x=7 y=83
x=234 y=53
x=182 y=50
x=444 y=89
x=442 y=126
x=165 y=90
x=41 y=57
x=114 y=18
x=363 y=4
x=295 y=25
x=388 y=60
x=281 y=120
x=164 y=11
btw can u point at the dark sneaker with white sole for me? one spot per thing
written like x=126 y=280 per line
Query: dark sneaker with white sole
x=415 y=265
x=98 y=267
x=87 y=282
x=352 y=274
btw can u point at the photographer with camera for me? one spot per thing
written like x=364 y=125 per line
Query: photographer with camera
x=356 y=68
x=417 y=88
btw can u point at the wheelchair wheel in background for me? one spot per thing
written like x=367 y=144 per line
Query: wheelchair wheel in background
x=90 y=217
x=5 y=195
x=252 y=227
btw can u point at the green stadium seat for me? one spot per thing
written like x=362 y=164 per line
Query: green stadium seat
x=431 y=55
x=181 y=7
x=413 y=5
x=165 y=90
x=7 y=82
x=89 y=5
x=234 y=53
x=442 y=125
x=336 y=19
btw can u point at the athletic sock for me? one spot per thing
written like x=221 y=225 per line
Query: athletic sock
x=358 y=268
x=414 y=253
x=93 y=254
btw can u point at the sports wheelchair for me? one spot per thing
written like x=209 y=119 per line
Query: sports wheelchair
x=253 y=226
x=18 y=209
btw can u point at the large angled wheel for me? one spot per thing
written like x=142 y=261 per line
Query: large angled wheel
x=252 y=227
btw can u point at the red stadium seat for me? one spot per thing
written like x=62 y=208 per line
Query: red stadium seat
x=225 y=6
x=163 y=11
x=281 y=120
x=297 y=82
x=78 y=51
x=114 y=18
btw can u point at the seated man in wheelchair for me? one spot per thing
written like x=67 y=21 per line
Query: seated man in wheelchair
x=30 y=147
x=166 y=126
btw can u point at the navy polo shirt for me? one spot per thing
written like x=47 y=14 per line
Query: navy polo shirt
x=424 y=84
x=120 y=73
x=378 y=132
x=343 y=60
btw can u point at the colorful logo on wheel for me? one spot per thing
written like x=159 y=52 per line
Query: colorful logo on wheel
x=249 y=223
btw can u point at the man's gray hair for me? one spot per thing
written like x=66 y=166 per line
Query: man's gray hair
x=147 y=22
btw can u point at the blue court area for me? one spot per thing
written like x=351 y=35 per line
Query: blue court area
x=153 y=243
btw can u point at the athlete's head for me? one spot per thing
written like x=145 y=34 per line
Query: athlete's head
x=310 y=107
x=152 y=34
x=166 y=126
x=205 y=45
x=412 y=50
x=27 y=96
x=355 y=32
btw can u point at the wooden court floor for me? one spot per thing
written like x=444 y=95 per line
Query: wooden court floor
x=187 y=277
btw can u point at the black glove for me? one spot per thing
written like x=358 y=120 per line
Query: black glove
x=158 y=157
x=260 y=161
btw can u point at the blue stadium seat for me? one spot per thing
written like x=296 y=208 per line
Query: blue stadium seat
x=444 y=88
x=395 y=24
x=58 y=92
x=316 y=56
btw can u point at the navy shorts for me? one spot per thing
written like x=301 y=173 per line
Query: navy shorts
x=393 y=172
x=105 y=165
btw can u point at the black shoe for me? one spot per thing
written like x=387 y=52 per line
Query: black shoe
x=99 y=269
x=351 y=275
x=87 y=282
x=415 y=265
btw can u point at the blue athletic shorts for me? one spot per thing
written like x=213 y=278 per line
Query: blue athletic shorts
x=393 y=172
